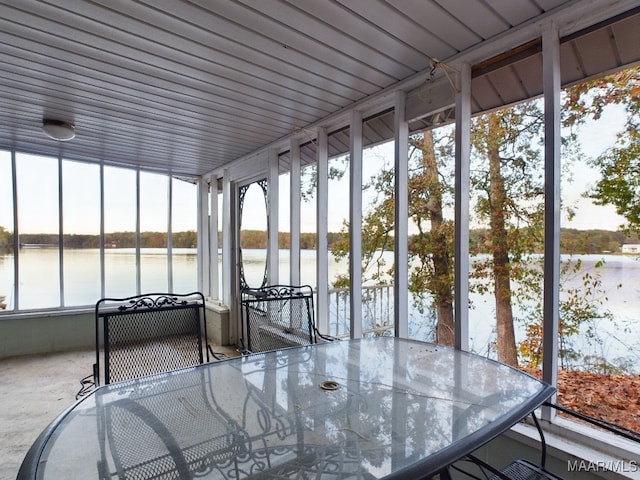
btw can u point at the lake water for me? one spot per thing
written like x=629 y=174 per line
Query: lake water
x=39 y=275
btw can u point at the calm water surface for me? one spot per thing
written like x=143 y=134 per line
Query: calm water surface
x=39 y=280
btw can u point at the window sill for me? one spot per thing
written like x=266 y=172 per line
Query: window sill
x=585 y=450
x=51 y=312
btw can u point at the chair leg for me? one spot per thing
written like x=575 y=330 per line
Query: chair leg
x=216 y=355
x=87 y=384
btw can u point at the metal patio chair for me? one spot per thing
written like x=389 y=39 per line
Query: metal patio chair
x=520 y=469
x=147 y=334
x=279 y=316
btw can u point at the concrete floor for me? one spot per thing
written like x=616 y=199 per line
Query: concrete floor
x=33 y=391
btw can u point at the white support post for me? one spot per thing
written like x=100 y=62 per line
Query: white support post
x=294 y=223
x=322 y=221
x=273 y=224
x=204 y=241
x=401 y=250
x=138 y=236
x=101 y=240
x=227 y=241
x=214 y=271
x=355 y=224
x=462 y=188
x=61 y=231
x=552 y=90
x=170 y=238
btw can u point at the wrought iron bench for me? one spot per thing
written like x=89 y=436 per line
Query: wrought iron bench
x=279 y=316
x=147 y=334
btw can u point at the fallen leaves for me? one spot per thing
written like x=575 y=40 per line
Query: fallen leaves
x=612 y=398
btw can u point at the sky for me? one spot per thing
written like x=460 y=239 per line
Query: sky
x=595 y=138
x=38 y=198
x=37 y=193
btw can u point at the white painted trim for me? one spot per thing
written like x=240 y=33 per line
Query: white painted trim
x=273 y=210
x=60 y=233
x=322 y=228
x=204 y=241
x=138 y=236
x=401 y=207
x=569 y=18
x=214 y=270
x=227 y=240
x=294 y=210
x=355 y=224
x=101 y=240
x=551 y=292
x=462 y=188
x=570 y=441
x=199 y=266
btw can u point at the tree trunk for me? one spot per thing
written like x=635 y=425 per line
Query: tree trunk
x=505 y=342
x=442 y=283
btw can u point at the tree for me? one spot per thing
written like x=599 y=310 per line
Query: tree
x=580 y=308
x=431 y=249
x=6 y=238
x=508 y=181
x=507 y=185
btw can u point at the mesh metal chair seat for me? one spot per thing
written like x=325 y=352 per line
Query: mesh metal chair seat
x=525 y=470
x=519 y=469
x=279 y=316
x=148 y=334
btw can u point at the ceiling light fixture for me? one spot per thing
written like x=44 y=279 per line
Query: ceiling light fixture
x=58 y=129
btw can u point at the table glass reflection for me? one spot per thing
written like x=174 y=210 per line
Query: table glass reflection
x=370 y=408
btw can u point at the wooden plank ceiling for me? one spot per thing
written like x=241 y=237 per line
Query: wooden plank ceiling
x=189 y=86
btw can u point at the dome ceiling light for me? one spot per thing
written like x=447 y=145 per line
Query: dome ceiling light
x=58 y=129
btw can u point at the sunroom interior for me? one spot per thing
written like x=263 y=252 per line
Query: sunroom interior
x=224 y=96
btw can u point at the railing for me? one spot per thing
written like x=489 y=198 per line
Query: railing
x=377 y=311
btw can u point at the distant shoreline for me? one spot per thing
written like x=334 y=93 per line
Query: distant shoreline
x=572 y=241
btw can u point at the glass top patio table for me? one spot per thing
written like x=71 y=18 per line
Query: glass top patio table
x=370 y=408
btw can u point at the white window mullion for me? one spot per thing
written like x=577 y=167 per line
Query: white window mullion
x=462 y=189
x=203 y=238
x=355 y=224
x=214 y=284
x=60 y=232
x=552 y=90
x=294 y=224
x=401 y=200
x=273 y=223
x=16 y=235
x=101 y=239
x=170 y=235
x=322 y=227
x=138 y=237
x=227 y=240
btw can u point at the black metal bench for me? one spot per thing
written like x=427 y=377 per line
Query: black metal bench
x=279 y=316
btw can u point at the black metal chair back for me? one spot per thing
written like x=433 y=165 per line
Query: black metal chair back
x=279 y=316
x=148 y=334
